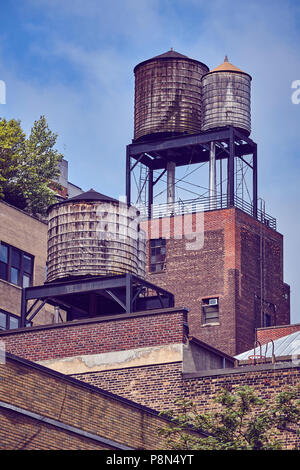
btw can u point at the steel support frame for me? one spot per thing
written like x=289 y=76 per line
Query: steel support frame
x=51 y=293
x=156 y=153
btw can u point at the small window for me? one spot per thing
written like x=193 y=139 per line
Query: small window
x=267 y=321
x=8 y=321
x=16 y=266
x=157 y=255
x=2 y=321
x=210 y=310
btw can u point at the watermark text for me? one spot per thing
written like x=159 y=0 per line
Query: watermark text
x=296 y=94
x=2 y=92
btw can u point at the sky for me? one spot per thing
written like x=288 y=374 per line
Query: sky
x=73 y=60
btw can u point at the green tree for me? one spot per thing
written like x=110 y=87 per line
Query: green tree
x=240 y=421
x=28 y=165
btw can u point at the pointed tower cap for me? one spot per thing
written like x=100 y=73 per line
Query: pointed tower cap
x=171 y=54
x=228 y=67
x=88 y=196
x=91 y=195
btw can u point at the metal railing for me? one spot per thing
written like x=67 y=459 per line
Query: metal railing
x=204 y=204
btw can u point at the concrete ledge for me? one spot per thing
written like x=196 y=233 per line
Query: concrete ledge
x=139 y=357
x=240 y=370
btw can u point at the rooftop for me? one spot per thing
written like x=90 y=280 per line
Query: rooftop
x=286 y=346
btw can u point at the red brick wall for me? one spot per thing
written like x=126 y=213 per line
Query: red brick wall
x=117 y=333
x=160 y=386
x=72 y=403
x=264 y=335
x=156 y=386
x=227 y=267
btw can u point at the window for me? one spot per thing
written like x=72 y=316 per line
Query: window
x=210 y=310
x=267 y=321
x=8 y=321
x=16 y=266
x=157 y=254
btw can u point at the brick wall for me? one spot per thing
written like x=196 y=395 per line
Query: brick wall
x=228 y=267
x=155 y=386
x=94 y=336
x=55 y=397
x=159 y=386
x=264 y=335
x=28 y=234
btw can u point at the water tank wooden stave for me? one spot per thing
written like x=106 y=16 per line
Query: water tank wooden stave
x=94 y=238
x=226 y=98
x=168 y=97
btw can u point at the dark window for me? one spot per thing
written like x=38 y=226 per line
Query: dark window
x=15 y=266
x=210 y=310
x=8 y=321
x=157 y=254
x=267 y=321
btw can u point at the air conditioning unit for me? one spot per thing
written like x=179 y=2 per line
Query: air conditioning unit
x=213 y=302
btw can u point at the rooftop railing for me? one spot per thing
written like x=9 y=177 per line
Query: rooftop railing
x=204 y=204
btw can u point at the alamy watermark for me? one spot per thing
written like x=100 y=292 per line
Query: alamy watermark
x=122 y=222
x=296 y=94
x=2 y=92
x=296 y=353
x=2 y=353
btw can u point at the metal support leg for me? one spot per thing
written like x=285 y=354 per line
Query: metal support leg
x=128 y=293
x=212 y=176
x=23 y=309
x=150 y=192
x=171 y=182
x=255 y=182
x=128 y=177
x=230 y=170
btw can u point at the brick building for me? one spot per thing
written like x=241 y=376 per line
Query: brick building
x=239 y=267
x=171 y=335
x=23 y=260
x=148 y=357
x=23 y=255
x=50 y=411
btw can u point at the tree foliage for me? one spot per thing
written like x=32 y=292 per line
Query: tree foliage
x=28 y=165
x=240 y=421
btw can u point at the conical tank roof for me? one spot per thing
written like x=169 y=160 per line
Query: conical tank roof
x=91 y=195
x=171 y=54
x=87 y=196
x=227 y=66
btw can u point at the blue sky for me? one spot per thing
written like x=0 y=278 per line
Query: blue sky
x=73 y=60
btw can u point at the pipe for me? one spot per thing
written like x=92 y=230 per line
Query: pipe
x=212 y=176
x=171 y=182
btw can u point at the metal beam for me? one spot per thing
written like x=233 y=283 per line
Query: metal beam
x=243 y=137
x=254 y=176
x=137 y=161
x=129 y=293
x=128 y=176
x=37 y=310
x=150 y=192
x=116 y=298
x=73 y=287
x=23 y=309
x=178 y=142
x=160 y=176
